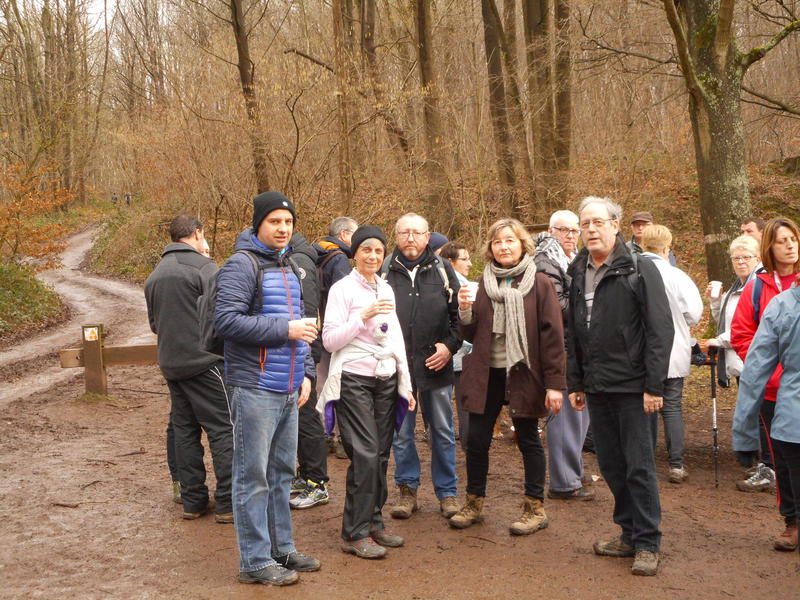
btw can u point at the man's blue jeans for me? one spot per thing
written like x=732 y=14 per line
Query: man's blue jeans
x=625 y=454
x=264 y=451
x=439 y=414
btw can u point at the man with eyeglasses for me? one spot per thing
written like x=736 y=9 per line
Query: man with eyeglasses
x=566 y=431
x=619 y=340
x=426 y=289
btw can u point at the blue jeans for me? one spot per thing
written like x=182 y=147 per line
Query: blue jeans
x=625 y=454
x=264 y=451
x=439 y=414
x=672 y=413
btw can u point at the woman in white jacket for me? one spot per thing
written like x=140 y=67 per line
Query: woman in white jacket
x=744 y=252
x=368 y=389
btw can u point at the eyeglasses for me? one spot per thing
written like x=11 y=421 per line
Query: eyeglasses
x=567 y=230
x=598 y=223
x=742 y=259
x=409 y=234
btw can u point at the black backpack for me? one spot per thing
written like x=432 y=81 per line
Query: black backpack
x=210 y=340
x=323 y=291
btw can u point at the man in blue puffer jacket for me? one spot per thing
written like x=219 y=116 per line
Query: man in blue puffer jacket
x=268 y=368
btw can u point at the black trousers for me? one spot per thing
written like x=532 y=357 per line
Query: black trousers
x=172 y=462
x=789 y=454
x=480 y=439
x=312 y=449
x=786 y=495
x=366 y=416
x=200 y=403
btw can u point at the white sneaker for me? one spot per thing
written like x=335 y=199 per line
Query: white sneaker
x=313 y=495
x=678 y=475
x=762 y=480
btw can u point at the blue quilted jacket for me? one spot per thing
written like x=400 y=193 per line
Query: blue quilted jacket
x=258 y=353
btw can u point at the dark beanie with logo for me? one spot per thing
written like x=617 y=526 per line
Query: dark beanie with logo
x=266 y=202
x=364 y=233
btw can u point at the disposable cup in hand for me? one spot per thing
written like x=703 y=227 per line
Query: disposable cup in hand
x=472 y=286
x=716 y=288
x=311 y=320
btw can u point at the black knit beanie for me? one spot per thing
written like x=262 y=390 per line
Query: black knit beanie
x=363 y=233
x=266 y=202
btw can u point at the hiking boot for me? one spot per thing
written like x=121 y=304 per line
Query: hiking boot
x=224 y=518
x=299 y=486
x=470 y=513
x=271 y=574
x=616 y=548
x=314 y=495
x=338 y=450
x=787 y=541
x=364 y=548
x=296 y=561
x=176 y=492
x=645 y=563
x=406 y=504
x=678 y=475
x=191 y=516
x=762 y=479
x=448 y=506
x=582 y=493
x=385 y=537
x=533 y=517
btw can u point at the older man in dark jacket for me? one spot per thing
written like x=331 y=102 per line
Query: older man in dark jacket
x=194 y=377
x=426 y=289
x=620 y=337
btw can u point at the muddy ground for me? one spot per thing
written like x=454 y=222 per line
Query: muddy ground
x=86 y=510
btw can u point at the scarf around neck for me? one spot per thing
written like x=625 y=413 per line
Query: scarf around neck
x=508 y=307
x=547 y=244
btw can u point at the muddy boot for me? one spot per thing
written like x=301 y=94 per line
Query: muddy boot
x=176 y=492
x=469 y=514
x=406 y=504
x=533 y=517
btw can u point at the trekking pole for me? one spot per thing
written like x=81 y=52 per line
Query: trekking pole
x=712 y=361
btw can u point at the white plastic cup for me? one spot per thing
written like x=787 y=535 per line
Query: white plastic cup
x=716 y=288
x=311 y=320
x=472 y=286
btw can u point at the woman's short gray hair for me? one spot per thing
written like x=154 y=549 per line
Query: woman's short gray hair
x=748 y=243
x=614 y=209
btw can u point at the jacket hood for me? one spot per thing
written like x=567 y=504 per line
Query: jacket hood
x=245 y=242
x=177 y=247
x=300 y=244
x=329 y=244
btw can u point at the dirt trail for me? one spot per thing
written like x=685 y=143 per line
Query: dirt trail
x=86 y=511
x=117 y=305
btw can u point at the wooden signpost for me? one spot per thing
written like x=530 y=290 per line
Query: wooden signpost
x=94 y=357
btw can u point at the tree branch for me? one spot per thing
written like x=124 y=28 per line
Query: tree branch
x=682 y=45
x=776 y=104
x=316 y=61
x=724 y=32
x=759 y=52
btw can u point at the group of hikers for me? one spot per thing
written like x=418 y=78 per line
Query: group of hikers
x=345 y=338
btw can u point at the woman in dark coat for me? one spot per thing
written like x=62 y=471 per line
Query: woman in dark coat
x=516 y=328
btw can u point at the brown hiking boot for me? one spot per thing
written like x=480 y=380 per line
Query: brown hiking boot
x=470 y=513
x=616 y=548
x=645 y=563
x=406 y=504
x=448 y=506
x=533 y=517
x=787 y=541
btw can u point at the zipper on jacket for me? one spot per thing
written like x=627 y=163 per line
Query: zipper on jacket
x=262 y=358
x=291 y=314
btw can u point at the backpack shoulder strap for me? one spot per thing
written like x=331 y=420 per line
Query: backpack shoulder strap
x=445 y=279
x=385 y=267
x=758 y=285
x=327 y=258
x=257 y=300
x=633 y=278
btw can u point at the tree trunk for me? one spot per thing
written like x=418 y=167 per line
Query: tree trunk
x=342 y=104
x=563 y=105
x=437 y=189
x=498 y=106
x=247 y=79
x=714 y=79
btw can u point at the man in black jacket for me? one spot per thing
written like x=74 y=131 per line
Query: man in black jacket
x=426 y=289
x=620 y=337
x=194 y=376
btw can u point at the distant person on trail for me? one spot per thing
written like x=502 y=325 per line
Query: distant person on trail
x=194 y=376
x=779 y=253
x=566 y=431
x=333 y=262
x=619 y=340
x=752 y=226
x=268 y=370
x=686 y=307
x=639 y=222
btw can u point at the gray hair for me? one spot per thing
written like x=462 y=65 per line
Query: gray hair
x=614 y=209
x=339 y=224
x=412 y=215
x=562 y=214
x=747 y=243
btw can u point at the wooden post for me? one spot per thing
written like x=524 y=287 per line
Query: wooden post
x=95 y=370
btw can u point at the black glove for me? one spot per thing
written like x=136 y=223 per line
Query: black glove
x=698 y=356
x=746 y=458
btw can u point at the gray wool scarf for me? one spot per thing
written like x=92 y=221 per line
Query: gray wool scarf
x=508 y=306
